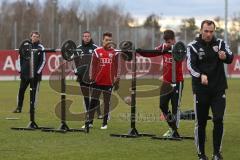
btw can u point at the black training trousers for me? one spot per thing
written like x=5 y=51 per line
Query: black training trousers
x=94 y=104
x=86 y=92
x=24 y=83
x=171 y=92
x=202 y=102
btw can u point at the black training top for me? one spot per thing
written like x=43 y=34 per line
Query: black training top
x=83 y=62
x=39 y=62
x=202 y=58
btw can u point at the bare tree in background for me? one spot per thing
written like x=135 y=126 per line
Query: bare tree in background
x=24 y=15
x=219 y=30
x=235 y=34
x=57 y=24
x=49 y=19
x=188 y=30
x=152 y=25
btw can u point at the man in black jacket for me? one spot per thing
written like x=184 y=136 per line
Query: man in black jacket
x=206 y=56
x=39 y=62
x=82 y=64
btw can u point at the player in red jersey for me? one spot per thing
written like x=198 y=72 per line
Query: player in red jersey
x=171 y=88
x=104 y=75
x=174 y=95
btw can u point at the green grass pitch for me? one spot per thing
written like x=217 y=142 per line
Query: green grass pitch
x=98 y=145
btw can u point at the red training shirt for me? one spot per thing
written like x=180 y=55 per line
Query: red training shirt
x=167 y=66
x=104 y=66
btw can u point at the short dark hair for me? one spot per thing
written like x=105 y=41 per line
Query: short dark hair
x=34 y=32
x=86 y=32
x=208 y=22
x=108 y=34
x=168 y=34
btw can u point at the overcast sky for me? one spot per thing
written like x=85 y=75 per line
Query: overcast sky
x=174 y=8
x=166 y=8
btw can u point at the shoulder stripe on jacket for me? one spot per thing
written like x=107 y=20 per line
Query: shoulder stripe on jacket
x=43 y=61
x=192 y=71
x=220 y=44
x=191 y=45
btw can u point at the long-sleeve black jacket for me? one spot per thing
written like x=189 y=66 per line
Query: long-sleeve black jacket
x=83 y=62
x=202 y=58
x=39 y=63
